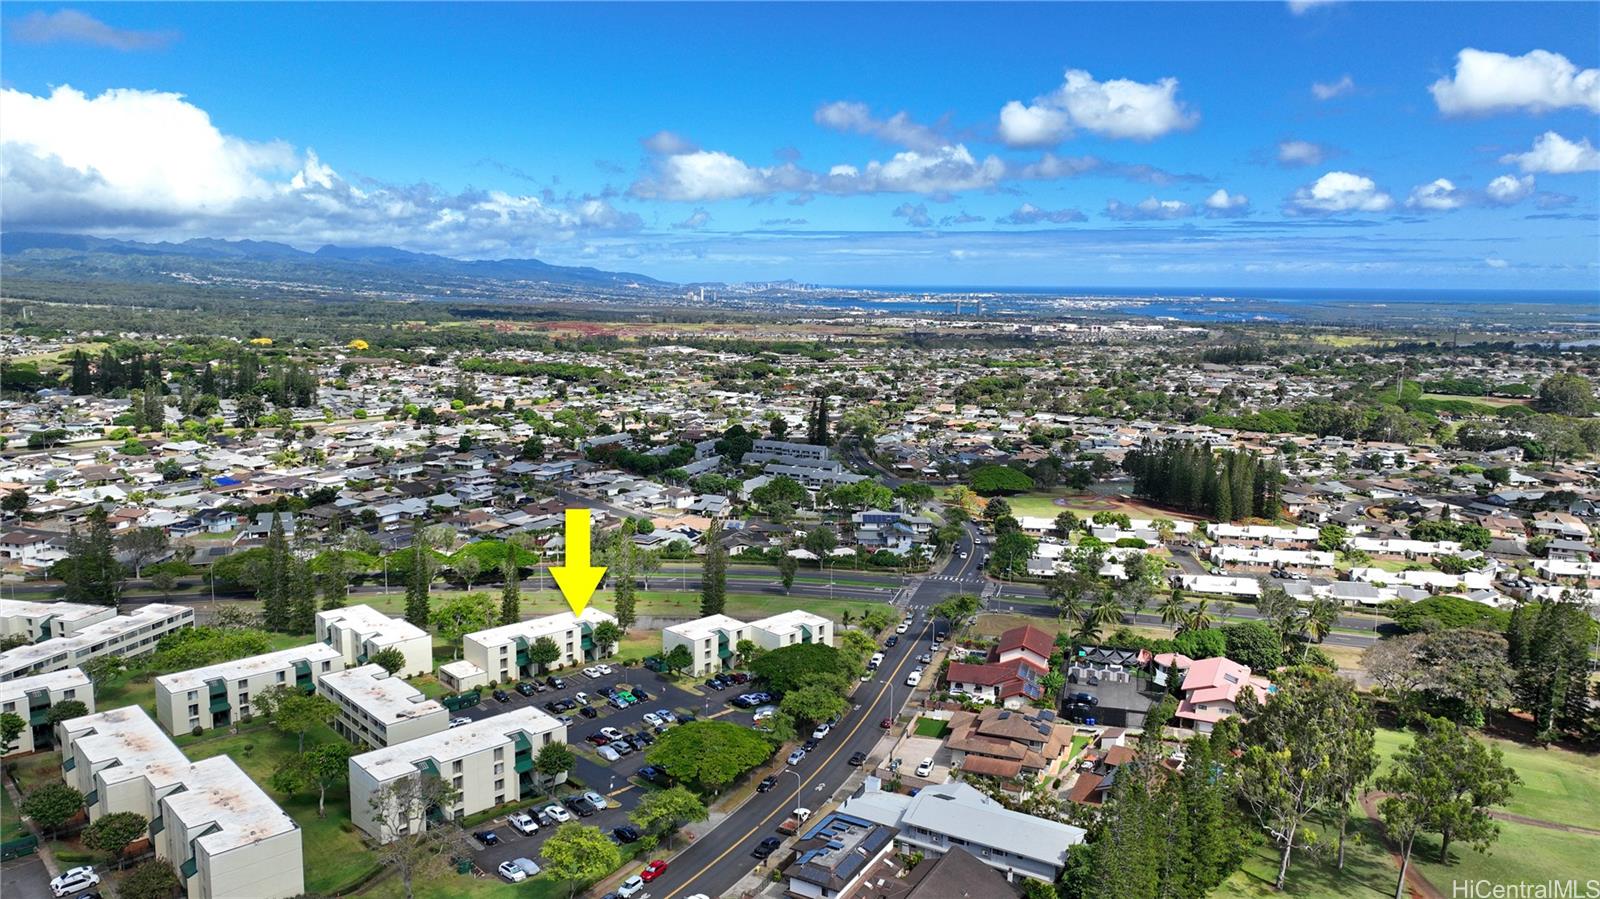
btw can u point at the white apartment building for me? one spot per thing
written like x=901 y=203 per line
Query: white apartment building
x=221 y=831
x=502 y=652
x=31 y=699
x=133 y=634
x=489 y=763
x=713 y=641
x=218 y=695
x=360 y=632
x=40 y=621
x=1263 y=535
x=380 y=709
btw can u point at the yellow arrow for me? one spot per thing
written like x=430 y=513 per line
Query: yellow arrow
x=578 y=579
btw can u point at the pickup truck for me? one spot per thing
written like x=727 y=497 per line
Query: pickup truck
x=793 y=822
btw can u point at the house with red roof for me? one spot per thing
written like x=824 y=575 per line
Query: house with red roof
x=1011 y=675
x=1211 y=690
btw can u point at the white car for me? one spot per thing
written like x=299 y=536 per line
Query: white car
x=560 y=814
x=73 y=880
x=603 y=669
x=652 y=719
x=914 y=678
x=595 y=800
x=633 y=886
x=765 y=712
x=821 y=731
x=611 y=733
x=904 y=626
x=609 y=754
x=591 y=672
x=581 y=698
x=523 y=823
x=457 y=722
x=926 y=768
x=510 y=871
x=937 y=646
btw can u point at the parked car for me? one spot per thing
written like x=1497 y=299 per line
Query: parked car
x=510 y=871
x=925 y=768
x=925 y=659
x=653 y=870
x=1088 y=699
x=544 y=818
x=640 y=694
x=595 y=800
x=796 y=756
x=487 y=837
x=822 y=731
x=766 y=847
x=591 y=672
x=858 y=759
x=599 y=738
x=588 y=712
x=627 y=833
x=603 y=668
x=523 y=823
x=527 y=865
x=767 y=783
x=892 y=642
x=620 y=747
x=904 y=626
x=555 y=683
x=580 y=698
x=886 y=723
x=656 y=775
x=765 y=712
x=502 y=696
x=74 y=879
x=457 y=722
x=810 y=744
x=666 y=716
x=633 y=886
x=609 y=754
x=557 y=813
x=914 y=678
x=525 y=688
x=578 y=806
x=651 y=719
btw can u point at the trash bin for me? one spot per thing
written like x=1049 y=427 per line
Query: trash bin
x=463 y=866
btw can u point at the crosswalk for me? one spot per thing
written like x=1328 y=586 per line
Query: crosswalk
x=955 y=578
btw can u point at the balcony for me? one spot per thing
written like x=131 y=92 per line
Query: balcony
x=220 y=704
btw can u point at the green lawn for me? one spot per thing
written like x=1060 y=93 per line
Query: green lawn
x=11 y=825
x=334 y=855
x=34 y=771
x=1523 y=854
x=652 y=603
x=1368 y=871
x=931 y=727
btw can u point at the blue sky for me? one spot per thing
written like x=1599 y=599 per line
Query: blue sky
x=1193 y=144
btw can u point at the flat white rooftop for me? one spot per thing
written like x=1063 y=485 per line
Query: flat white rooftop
x=61 y=611
x=101 y=632
x=456 y=743
x=537 y=627
x=195 y=678
x=700 y=628
x=385 y=697
x=372 y=624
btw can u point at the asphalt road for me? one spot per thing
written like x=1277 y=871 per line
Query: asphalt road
x=719 y=859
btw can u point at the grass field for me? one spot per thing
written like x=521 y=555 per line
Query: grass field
x=1498 y=402
x=931 y=727
x=1043 y=504
x=11 y=825
x=1368 y=870
x=654 y=604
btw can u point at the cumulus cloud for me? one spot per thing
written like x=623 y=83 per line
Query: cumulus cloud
x=1327 y=90
x=1148 y=209
x=1337 y=192
x=69 y=26
x=1438 y=195
x=1553 y=154
x=1495 y=262
x=1301 y=7
x=667 y=143
x=1537 y=81
x=915 y=216
x=964 y=218
x=1118 y=108
x=151 y=163
x=1222 y=204
x=1509 y=189
x=1300 y=152
x=852 y=117
x=696 y=220
x=1029 y=214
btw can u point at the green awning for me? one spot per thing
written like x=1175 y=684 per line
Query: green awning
x=524 y=762
x=70 y=763
x=157 y=826
x=91 y=799
x=38 y=715
x=426 y=766
x=219 y=704
x=302 y=668
x=190 y=868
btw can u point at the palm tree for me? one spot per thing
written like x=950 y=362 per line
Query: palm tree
x=1320 y=618
x=1172 y=610
x=1107 y=609
x=1198 y=619
x=845 y=617
x=1088 y=632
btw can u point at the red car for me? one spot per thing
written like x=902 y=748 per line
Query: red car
x=653 y=870
x=886 y=723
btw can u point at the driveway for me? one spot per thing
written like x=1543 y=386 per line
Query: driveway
x=25 y=878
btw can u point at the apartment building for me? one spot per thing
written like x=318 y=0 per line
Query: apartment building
x=713 y=641
x=488 y=762
x=133 y=634
x=218 y=829
x=360 y=632
x=502 y=652
x=40 y=621
x=31 y=699
x=380 y=709
x=1263 y=535
x=217 y=695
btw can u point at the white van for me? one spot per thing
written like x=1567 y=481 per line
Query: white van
x=875 y=661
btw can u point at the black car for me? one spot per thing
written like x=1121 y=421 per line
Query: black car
x=858 y=759
x=767 y=783
x=739 y=677
x=639 y=693
x=1088 y=699
x=525 y=688
x=811 y=743
x=555 y=683
x=767 y=847
x=627 y=833
x=487 y=837
x=718 y=682
x=543 y=817
x=502 y=696
x=552 y=706
x=578 y=806
x=892 y=642
x=588 y=712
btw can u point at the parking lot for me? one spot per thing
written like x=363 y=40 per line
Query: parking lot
x=614 y=780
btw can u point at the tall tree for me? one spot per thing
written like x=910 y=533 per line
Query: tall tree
x=400 y=810
x=142 y=546
x=511 y=591
x=91 y=571
x=455 y=618
x=302 y=598
x=623 y=567
x=322 y=766
x=418 y=580
x=113 y=833
x=294 y=713
x=662 y=812
x=714 y=574
x=274 y=590
x=579 y=854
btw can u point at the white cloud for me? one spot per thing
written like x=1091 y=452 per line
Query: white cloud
x=1148 y=209
x=915 y=216
x=667 y=143
x=703 y=175
x=898 y=129
x=1222 y=204
x=1301 y=7
x=696 y=220
x=68 y=26
x=1496 y=262
x=945 y=170
x=149 y=163
x=1118 y=108
x=1327 y=90
x=1438 y=195
x=1029 y=214
x=1537 y=81
x=1300 y=152
x=1509 y=189
x=1553 y=154
x=1340 y=192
